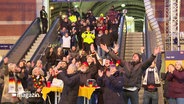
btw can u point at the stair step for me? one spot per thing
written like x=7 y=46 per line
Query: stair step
x=134 y=36
x=32 y=50
x=133 y=48
x=128 y=58
x=134 y=42
x=134 y=45
x=134 y=39
x=42 y=35
x=38 y=40
x=34 y=46
x=27 y=57
x=30 y=53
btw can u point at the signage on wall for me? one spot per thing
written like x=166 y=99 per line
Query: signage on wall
x=173 y=57
x=6 y=46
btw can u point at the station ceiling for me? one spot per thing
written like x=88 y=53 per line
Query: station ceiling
x=135 y=8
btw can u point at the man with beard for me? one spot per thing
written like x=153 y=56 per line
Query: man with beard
x=133 y=71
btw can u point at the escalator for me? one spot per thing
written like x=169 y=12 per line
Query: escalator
x=22 y=45
x=121 y=35
x=129 y=42
x=50 y=38
x=31 y=44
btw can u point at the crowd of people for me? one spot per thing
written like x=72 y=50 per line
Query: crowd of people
x=88 y=50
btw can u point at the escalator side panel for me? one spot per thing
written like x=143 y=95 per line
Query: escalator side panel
x=50 y=37
x=23 y=44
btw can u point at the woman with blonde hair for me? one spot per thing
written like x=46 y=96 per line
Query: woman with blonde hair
x=7 y=96
x=35 y=85
x=71 y=85
x=176 y=84
x=179 y=66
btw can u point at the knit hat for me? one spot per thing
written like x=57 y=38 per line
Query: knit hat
x=113 y=65
x=85 y=63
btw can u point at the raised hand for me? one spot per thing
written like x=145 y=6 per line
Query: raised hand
x=156 y=51
x=116 y=47
x=171 y=70
x=142 y=49
x=73 y=61
x=52 y=72
x=104 y=47
x=56 y=72
x=38 y=90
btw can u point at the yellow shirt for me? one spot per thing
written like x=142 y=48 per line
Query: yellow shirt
x=88 y=37
x=73 y=18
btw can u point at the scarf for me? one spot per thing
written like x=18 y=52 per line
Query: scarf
x=156 y=77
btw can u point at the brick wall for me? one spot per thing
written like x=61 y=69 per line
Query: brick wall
x=16 y=15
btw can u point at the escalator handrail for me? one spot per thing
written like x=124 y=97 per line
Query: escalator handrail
x=44 y=43
x=20 y=39
x=31 y=44
x=121 y=27
x=125 y=36
x=44 y=51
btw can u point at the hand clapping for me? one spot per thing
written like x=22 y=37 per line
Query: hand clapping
x=100 y=73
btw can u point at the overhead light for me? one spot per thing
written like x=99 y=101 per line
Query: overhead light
x=123 y=5
x=75 y=6
x=51 y=8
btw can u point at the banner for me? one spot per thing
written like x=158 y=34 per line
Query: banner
x=20 y=88
x=171 y=57
x=6 y=46
x=12 y=86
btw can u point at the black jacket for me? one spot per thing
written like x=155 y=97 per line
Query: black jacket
x=51 y=58
x=71 y=88
x=112 y=88
x=32 y=89
x=89 y=74
x=133 y=73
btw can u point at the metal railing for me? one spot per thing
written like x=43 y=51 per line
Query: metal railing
x=121 y=37
x=50 y=37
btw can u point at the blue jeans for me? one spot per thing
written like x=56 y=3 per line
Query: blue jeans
x=100 y=52
x=133 y=96
x=172 y=101
x=180 y=100
x=93 y=100
x=80 y=100
x=150 y=97
x=176 y=101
